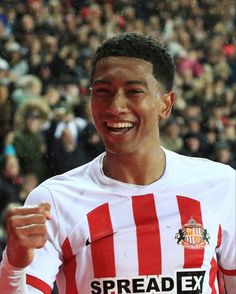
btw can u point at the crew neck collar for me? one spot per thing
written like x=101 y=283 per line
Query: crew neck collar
x=124 y=188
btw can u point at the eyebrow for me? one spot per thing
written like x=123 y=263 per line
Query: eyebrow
x=140 y=82
x=101 y=82
x=131 y=82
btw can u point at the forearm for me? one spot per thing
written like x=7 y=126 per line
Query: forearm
x=230 y=284
x=12 y=280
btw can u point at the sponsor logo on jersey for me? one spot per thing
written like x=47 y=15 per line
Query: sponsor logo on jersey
x=183 y=282
x=192 y=235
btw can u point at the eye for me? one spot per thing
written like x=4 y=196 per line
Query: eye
x=101 y=91
x=135 y=91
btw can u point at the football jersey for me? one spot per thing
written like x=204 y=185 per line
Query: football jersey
x=110 y=237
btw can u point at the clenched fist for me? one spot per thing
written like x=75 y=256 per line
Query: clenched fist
x=26 y=230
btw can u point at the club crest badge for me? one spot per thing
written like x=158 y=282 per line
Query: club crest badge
x=192 y=235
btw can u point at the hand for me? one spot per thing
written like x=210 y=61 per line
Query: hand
x=26 y=230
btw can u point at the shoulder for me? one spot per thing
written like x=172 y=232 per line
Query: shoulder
x=200 y=175
x=200 y=166
x=77 y=176
x=67 y=185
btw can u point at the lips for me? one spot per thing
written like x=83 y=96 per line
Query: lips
x=119 y=127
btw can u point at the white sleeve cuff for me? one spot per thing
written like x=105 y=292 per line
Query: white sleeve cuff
x=12 y=279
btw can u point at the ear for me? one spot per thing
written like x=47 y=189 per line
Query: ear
x=167 y=101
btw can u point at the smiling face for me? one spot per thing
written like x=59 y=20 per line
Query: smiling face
x=127 y=104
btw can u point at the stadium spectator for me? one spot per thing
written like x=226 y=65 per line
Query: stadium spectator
x=10 y=181
x=66 y=153
x=6 y=114
x=171 y=138
x=29 y=142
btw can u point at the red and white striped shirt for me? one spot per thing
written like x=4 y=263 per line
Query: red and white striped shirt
x=109 y=237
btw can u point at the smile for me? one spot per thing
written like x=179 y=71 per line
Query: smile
x=119 y=127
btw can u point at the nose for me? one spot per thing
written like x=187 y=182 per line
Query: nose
x=118 y=103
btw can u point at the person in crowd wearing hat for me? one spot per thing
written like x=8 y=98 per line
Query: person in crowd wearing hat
x=29 y=141
x=4 y=72
x=18 y=64
x=6 y=115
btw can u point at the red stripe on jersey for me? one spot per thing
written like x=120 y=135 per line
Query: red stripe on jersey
x=190 y=208
x=221 y=282
x=227 y=272
x=102 y=242
x=148 y=235
x=220 y=275
x=212 y=276
x=69 y=268
x=38 y=284
x=219 y=238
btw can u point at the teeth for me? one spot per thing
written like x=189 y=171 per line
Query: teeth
x=119 y=125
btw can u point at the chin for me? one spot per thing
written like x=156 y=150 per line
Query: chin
x=119 y=150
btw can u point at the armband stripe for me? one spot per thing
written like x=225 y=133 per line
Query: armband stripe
x=38 y=284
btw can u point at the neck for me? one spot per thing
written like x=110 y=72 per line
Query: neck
x=140 y=170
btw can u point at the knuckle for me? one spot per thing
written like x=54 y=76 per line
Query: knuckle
x=11 y=222
x=40 y=242
x=10 y=212
x=42 y=219
x=38 y=210
x=44 y=230
x=19 y=232
x=43 y=240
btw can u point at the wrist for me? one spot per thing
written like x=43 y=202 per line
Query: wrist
x=8 y=264
x=18 y=260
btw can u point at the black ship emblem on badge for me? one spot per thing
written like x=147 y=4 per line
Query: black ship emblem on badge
x=192 y=235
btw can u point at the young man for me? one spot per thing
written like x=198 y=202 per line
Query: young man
x=138 y=218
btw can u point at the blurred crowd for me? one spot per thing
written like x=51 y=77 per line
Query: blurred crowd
x=45 y=48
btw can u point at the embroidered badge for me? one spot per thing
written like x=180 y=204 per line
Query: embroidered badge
x=192 y=235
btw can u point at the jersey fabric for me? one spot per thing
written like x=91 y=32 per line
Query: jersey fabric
x=176 y=235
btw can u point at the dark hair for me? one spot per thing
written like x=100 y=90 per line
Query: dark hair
x=138 y=46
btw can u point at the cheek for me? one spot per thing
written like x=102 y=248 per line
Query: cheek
x=94 y=110
x=98 y=107
x=96 y=113
x=149 y=109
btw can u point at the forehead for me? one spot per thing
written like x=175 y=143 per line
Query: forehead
x=122 y=67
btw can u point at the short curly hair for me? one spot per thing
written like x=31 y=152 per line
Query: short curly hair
x=137 y=45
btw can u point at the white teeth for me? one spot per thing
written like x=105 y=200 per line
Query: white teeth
x=119 y=124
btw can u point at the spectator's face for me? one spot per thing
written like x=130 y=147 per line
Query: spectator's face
x=127 y=104
x=223 y=155
x=11 y=167
x=15 y=56
x=3 y=74
x=30 y=182
x=67 y=137
x=4 y=93
x=34 y=124
x=193 y=144
x=27 y=23
x=211 y=137
x=173 y=130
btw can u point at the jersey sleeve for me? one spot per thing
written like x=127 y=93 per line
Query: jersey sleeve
x=226 y=251
x=41 y=273
x=13 y=280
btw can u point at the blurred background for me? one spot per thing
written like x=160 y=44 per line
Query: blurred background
x=45 y=48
